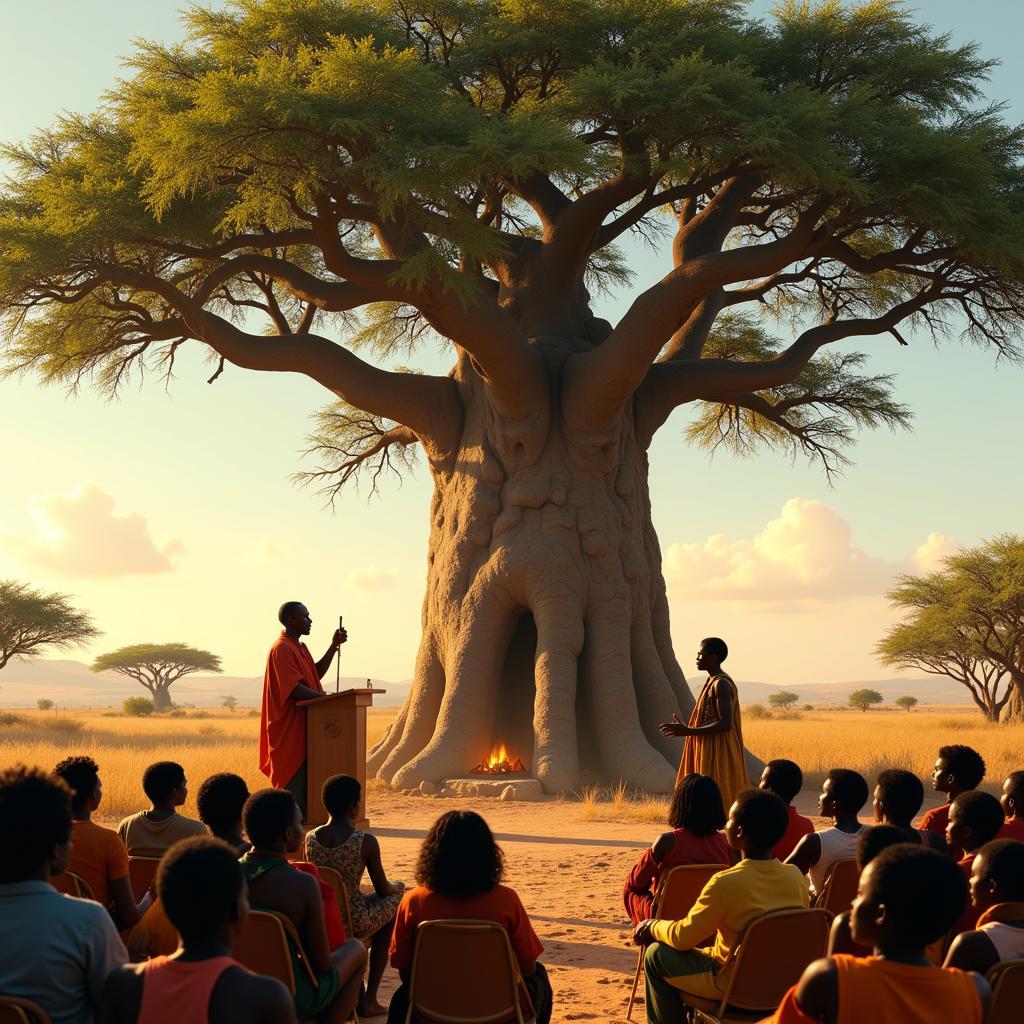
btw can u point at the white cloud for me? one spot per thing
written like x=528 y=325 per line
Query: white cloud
x=372 y=579
x=264 y=551
x=78 y=534
x=806 y=553
x=929 y=556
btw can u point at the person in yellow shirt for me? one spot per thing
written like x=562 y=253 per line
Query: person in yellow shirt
x=758 y=884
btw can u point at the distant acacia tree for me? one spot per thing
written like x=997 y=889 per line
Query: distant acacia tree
x=966 y=621
x=157 y=666
x=906 y=701
x=784 y=699
x=229 y=702
x=33 y=621
x=863 y=699
x=44 y=704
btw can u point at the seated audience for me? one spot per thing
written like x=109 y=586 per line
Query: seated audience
x=54 y=950
x=908 y=898
x=459 y=874
x=873 y=840
x=98 y=854
x=843 y=794
x=273 y=823
x=150 y=833
x=1012 y=799
x=898 y=797
x=958 y=769
x=696 y=815
x=785 y=779
x=997 y=895
x=202 y=887
x=975 y=819
x=219 y=802
x=340 y=845
x=758 y=884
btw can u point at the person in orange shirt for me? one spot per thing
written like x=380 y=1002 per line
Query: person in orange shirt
x=909 y=896
x=201 y=883
x=957 y=770
x=97 y=853
x=975 y=819
x=291 y=676
x=1012 y=799
x=785 y=779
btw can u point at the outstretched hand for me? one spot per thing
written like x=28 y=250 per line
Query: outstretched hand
x=673 y=728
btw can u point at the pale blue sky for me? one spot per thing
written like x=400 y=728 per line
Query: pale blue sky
x=208 y=465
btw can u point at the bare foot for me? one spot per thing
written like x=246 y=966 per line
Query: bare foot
x=372 y=1009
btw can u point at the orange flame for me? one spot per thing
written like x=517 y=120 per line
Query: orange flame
x=498 y=762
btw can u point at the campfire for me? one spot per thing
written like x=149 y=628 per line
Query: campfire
x=499 y=763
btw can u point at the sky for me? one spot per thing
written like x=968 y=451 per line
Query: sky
x=170 y=513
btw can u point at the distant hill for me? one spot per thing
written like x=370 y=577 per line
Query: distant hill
x=70 y=684
x=927 y=689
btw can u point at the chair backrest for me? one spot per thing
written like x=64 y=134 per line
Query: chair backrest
x=679 y=888
x=840 y=887
x=333 y=878
x=464 y=972
x=771 y=955
x=1007 y=981
x=262 y=946
x=142 y=871
x=14 y=1010
x=72 y=885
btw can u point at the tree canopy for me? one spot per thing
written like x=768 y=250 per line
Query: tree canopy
x=966 y=621
x=784 y=699
x=864 y=698
x=467 y=170
x=157 y=666
x=33 y=621
x=906 y=701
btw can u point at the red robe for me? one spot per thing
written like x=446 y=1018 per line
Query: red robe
x=283 y=722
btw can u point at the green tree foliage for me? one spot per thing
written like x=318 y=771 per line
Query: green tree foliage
x=137 y=707
x=863 y=699
x=157 y=666
x=906 y=701
x=44 y=704
x=229 y=702
x=393 y=173
x=966 y=621
x=33 y=622
x=784 y=699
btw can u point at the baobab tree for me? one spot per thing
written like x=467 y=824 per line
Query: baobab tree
x=366 y=175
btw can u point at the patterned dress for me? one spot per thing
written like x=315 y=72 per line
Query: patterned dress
x=369 y=913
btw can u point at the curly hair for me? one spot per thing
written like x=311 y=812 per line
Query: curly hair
x=900 y=793
x=36 y=808
x=220 y=801
x=82 y=774
x=161 y=779
x=964 y=763
x=459 y=857
x=199 y=882
x=697 y=805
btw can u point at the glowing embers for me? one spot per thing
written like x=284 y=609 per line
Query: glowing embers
x=499 y=763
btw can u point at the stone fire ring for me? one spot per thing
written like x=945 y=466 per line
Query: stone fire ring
x=509 y=786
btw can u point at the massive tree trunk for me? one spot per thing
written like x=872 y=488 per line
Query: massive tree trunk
x=545 y=621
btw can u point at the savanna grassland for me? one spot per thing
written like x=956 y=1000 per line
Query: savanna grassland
x=207 y=741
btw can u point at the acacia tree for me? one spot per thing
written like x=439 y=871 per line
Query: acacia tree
x=784 y=699
x=33 y=621
x=906 y=701
x=966 y=621
x=157 y=666
x=382 y=173
x=863 y=699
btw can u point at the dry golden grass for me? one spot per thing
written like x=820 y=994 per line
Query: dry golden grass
x=210 y=741
x=218 y=741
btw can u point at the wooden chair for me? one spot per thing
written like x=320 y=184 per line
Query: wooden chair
x=840 y=887
x=771 y=955
x=142 y=872
x=72 y=885
x=677 y=891
x=1007 y=981
x=489 y=986
x=263 y=947
x=333 y=878
x=21 y=1011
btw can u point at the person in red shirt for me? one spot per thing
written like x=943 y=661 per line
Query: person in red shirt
x=957 y=770
x=291 y=676
x=459 y=875
x=1012 y=799
x=785 y=779
x=975 y=819
x=697 y=817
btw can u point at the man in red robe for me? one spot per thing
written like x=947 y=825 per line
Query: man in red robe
x=292 y=675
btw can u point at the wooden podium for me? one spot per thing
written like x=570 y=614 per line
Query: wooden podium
x=335 y=745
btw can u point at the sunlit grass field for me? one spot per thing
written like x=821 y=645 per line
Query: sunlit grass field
x=210 y=741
